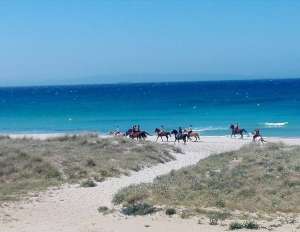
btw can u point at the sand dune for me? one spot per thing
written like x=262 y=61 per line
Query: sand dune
x=74 y=209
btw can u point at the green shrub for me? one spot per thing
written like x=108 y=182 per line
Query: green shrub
x=213 y=219
x=170 y=211
x=251 y=225
x=102 y=209
x=220 y=203
x=90 y=163
x=236 y=226
x=139 y=209
x=88 y=183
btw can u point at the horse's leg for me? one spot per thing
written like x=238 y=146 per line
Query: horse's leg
x=161 y=138
x=156 y=138
x=167 y=138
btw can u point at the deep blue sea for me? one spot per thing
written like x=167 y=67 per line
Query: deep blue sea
x=272 y=105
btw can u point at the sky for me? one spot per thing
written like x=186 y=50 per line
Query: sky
x=82 y=42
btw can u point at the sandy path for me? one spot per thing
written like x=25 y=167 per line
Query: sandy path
x=74 y=209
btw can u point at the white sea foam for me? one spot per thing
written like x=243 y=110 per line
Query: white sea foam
x=210 y=128
x=275 y=124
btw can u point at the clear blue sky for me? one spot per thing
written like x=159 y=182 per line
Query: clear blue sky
x=69 y=42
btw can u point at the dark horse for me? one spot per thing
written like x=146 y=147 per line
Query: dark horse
x=137 y=134
x=179 y=136
x=161 y=134
x=237 y=131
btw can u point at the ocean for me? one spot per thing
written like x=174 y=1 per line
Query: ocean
x=210 y=107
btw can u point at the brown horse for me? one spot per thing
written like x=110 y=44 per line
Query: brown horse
x=195 y=135
x=137 y=134
x=161 y=134
x=237 y=131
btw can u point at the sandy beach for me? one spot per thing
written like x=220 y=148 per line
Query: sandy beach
x=74 y=209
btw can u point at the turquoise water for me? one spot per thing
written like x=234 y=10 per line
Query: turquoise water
x=272 y=105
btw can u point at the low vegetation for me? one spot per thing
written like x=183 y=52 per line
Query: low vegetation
x=170 y=211
x=250 y=225
x=258 y=179
x=88 y=183
x=104 y=210
x=27 y=165
x=139 y=209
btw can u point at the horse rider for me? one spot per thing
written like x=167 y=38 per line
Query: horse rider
x=237 y=128
x=190 y=130
x=185 y=131
x=162 y=128
x=138 y=128
x=134 y=129
x=180 y=132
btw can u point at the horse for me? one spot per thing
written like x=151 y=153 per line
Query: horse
x=136 y=134
x=195 y=135
x=161 y=134
x=257 y=137
x=237 y=131
x=179 y=136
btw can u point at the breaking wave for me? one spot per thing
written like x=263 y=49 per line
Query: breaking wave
x=210 y=128
x=275 y=124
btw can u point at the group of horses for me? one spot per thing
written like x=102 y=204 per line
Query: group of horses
x=185 y=136
x=142 y=135
x=235 y=130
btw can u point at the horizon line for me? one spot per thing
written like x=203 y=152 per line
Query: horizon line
x=147 y=82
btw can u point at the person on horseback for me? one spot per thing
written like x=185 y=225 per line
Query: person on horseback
x=237 y=128
x=138 y=128
x=180 y=131
x=190 y=130
x=162 y=128
x=185 y=132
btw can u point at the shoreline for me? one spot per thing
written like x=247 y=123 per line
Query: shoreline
x=44 y=136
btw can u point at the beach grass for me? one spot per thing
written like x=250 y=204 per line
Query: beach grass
x=254 y=179
x=28 y=165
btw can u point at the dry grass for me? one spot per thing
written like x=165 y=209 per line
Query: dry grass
x=253 y=179
x=29 y=165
